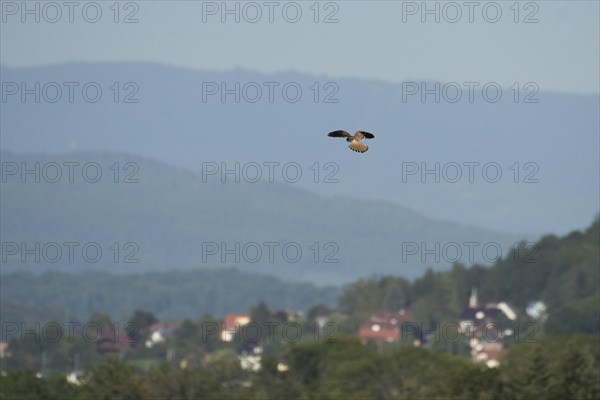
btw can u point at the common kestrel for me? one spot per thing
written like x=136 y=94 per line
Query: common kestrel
x=355 y=141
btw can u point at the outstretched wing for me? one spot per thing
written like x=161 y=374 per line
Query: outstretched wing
x=339 y=134
x=363 y=135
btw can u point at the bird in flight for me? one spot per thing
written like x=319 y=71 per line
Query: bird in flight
x=355 y=140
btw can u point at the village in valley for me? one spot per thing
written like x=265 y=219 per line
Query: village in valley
x=450 y=333
x=481 y=332
x=484 y=328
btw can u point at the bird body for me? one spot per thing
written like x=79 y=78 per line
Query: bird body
x=355 y=140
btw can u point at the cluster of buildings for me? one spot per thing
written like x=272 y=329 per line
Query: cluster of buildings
x=478 y=325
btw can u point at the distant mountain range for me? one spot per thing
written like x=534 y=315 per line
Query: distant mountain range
x=180 y=118
x=171 y=219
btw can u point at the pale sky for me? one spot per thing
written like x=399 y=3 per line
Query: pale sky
x=382 y=40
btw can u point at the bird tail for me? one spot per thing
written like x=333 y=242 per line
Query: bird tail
x=359 y=147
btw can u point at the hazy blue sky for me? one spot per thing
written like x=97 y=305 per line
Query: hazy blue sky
x=383 y=40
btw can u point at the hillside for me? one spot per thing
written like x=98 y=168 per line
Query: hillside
x=172 y=296
x=166 y=219
x=562 y=272
x=565 y=276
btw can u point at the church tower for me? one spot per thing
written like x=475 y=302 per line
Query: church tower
x=473 y=298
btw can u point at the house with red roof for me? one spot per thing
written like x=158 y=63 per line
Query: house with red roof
x=383 y=327
x=231 y=324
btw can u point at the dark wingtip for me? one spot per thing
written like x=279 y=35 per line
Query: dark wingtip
x=367 y=135
x=338 y=133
